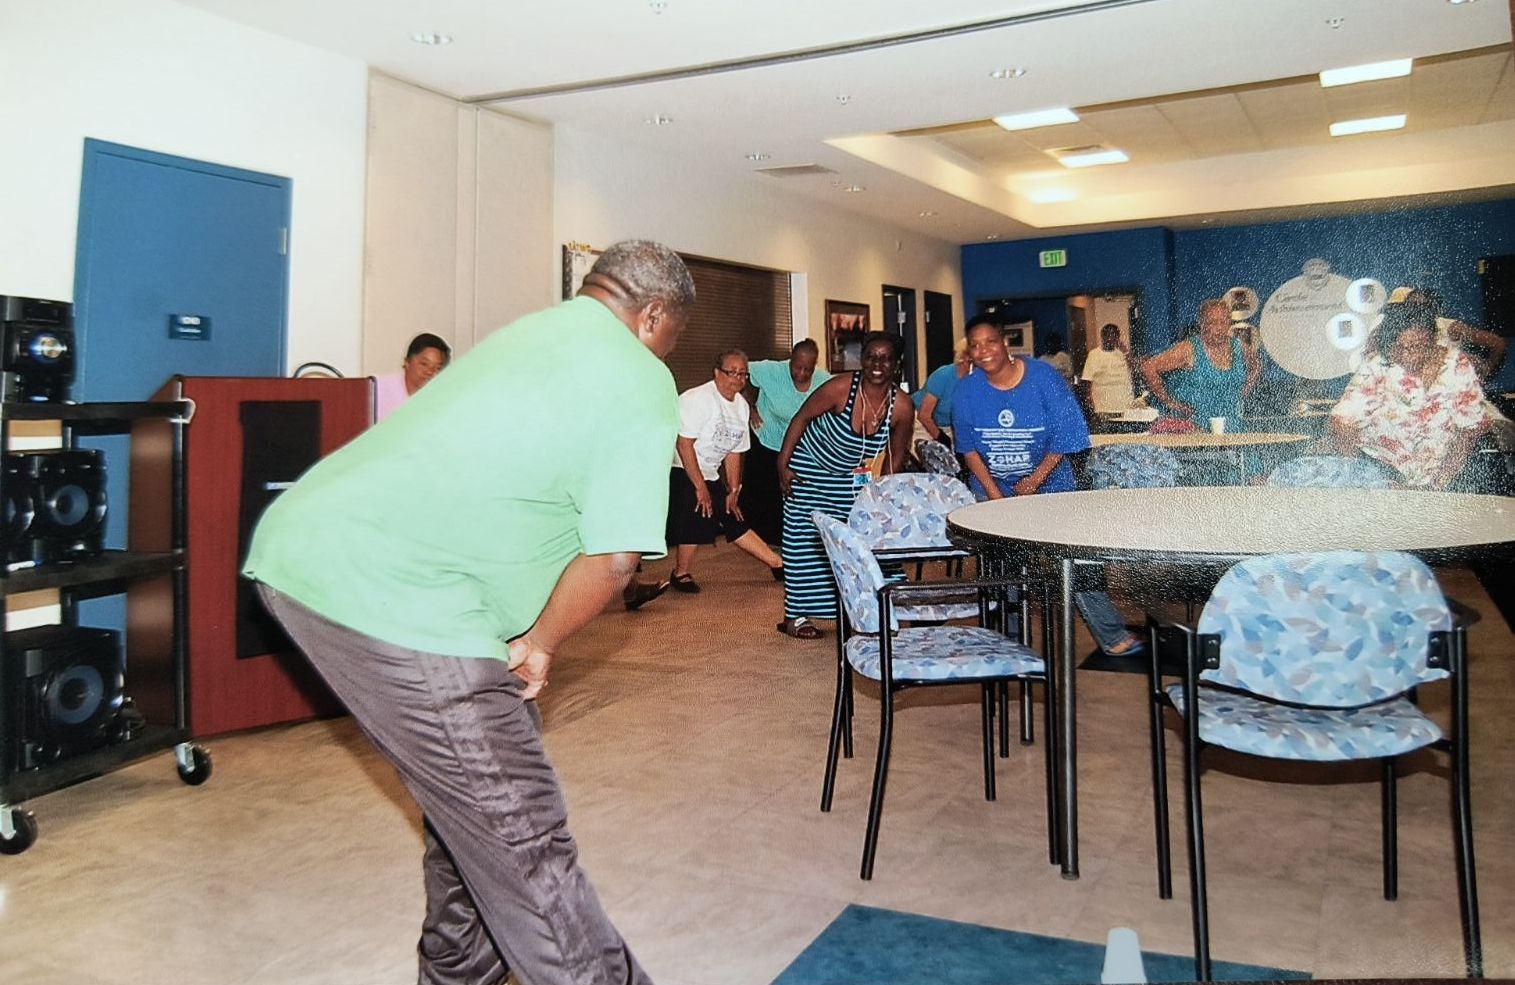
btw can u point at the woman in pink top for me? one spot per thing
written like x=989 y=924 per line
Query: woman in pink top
x=426 y=356
x=1416 y=405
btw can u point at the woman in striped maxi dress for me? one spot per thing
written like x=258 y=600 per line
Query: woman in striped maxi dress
x=827 y=457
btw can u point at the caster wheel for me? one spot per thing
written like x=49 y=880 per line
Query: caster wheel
x=194 y=765
x=18 y=830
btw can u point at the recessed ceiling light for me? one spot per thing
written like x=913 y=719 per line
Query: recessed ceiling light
x=431 y=38
x=658 y=120
x=758 y=156
x=854 y=189
x=1365 y=73
x=992 y=236
x=1037 y=118
x=1458 y=3
x=1007 y=73
x=1051 y=196
x=1372 y=124
x=1094 y=159
x=926 y=214
x=1334 y=23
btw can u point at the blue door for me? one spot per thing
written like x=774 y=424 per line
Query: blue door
x=170 y=240
x=181 y=268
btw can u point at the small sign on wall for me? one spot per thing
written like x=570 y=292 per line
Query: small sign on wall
x=1053 y=258
x=194 y=327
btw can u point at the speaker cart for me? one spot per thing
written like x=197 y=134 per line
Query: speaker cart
x=69 y=708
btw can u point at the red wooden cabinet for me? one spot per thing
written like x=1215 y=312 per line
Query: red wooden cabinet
x=247 y=440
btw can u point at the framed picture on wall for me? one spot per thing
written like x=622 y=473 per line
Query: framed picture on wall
x=577 y=259
x=1020 y=337
x=846 y=324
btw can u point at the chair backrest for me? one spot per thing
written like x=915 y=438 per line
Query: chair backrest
x=937 y=457
x=907 y=510
x=1337 y=629
x=858 y=576
x=1329 y=472
x=1133 y=467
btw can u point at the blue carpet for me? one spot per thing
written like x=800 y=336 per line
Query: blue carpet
x=869 y=946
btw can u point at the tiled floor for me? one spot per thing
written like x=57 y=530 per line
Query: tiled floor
x=689 y=737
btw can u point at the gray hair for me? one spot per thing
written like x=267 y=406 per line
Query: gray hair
x=648 y=272
x=1209 y=303
x=720 y=360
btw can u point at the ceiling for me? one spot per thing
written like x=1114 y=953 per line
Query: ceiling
x=1215 y=101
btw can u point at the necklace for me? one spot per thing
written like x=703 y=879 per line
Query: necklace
x=871 y=419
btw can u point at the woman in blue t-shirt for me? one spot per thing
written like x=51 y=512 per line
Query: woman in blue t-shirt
x=1014 y=423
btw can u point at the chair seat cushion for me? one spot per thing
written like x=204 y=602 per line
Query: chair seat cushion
x=945 y=653
x=1266 y=728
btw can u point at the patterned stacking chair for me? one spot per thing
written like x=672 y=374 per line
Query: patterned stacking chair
x=1329 y=472
x=912 y=657
x=1133 y=467
x=937 y=458
x=1313 y=658
x=903 y=517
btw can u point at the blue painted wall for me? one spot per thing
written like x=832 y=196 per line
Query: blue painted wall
x=1129 y=258
x=1436 y=247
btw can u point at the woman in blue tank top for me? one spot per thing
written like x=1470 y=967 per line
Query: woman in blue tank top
x=1207 y=375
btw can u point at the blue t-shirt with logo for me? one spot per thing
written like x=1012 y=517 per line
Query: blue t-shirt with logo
x=1013 y=430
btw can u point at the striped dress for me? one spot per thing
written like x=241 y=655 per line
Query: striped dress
x=823 y=464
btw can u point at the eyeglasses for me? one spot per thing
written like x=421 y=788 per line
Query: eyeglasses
x=740 y=374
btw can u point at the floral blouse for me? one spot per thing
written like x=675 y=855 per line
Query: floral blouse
x=1406 y=422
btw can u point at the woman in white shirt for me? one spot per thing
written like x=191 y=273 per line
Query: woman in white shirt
x=1108 y=372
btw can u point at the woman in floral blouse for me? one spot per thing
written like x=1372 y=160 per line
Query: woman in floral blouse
x=1416 y=406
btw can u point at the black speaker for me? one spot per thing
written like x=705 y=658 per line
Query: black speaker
x=1496 y=281
x=54 y=505
x=69 y=697
x=36 y=348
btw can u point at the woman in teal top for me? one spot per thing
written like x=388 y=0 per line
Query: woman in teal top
x=782 y=385
x=1206 y=375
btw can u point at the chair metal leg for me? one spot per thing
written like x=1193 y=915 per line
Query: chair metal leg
x=1002 y=705
x=1390 y=815
x=847 y=714
x=839 y=711
x=1158 y=746
x=1462 y=823
x=1199 y=902
x=1028 y=727
x=1049 y=730
x=987 y=696
x=880 y=776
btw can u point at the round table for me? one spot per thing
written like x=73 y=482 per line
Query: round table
x=1197 y=439
x=1216 y=525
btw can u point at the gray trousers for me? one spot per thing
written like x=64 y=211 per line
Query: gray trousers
x=503 y=886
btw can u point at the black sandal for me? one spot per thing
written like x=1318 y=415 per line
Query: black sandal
x=685 y=583
x=800 y=628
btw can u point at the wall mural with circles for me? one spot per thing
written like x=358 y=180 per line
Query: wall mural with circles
x=1315 y=325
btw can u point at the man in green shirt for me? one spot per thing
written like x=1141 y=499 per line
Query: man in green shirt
x=432 y=567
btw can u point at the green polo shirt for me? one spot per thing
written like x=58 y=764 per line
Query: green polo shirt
x=446 y=527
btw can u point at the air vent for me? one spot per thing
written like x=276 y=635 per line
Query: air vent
x=794 y=170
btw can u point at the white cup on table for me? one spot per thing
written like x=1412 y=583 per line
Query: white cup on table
x=1217 y=425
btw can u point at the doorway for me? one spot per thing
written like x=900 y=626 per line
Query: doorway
x=899 y=317
x=1076 y=318
x=939 y=341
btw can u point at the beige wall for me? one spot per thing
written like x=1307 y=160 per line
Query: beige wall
x=167 y=78
x=606 y=192
x=459 y=221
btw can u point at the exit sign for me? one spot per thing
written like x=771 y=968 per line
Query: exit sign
x=1054 y=258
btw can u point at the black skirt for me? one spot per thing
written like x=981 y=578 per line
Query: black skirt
x=686 y=525
x=762 y=503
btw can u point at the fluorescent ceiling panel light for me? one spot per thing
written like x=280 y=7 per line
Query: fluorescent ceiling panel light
x=1371 y=125
x=1094 y=159
x=1037 y=118
x=1050 y=196
x=1365 y=73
